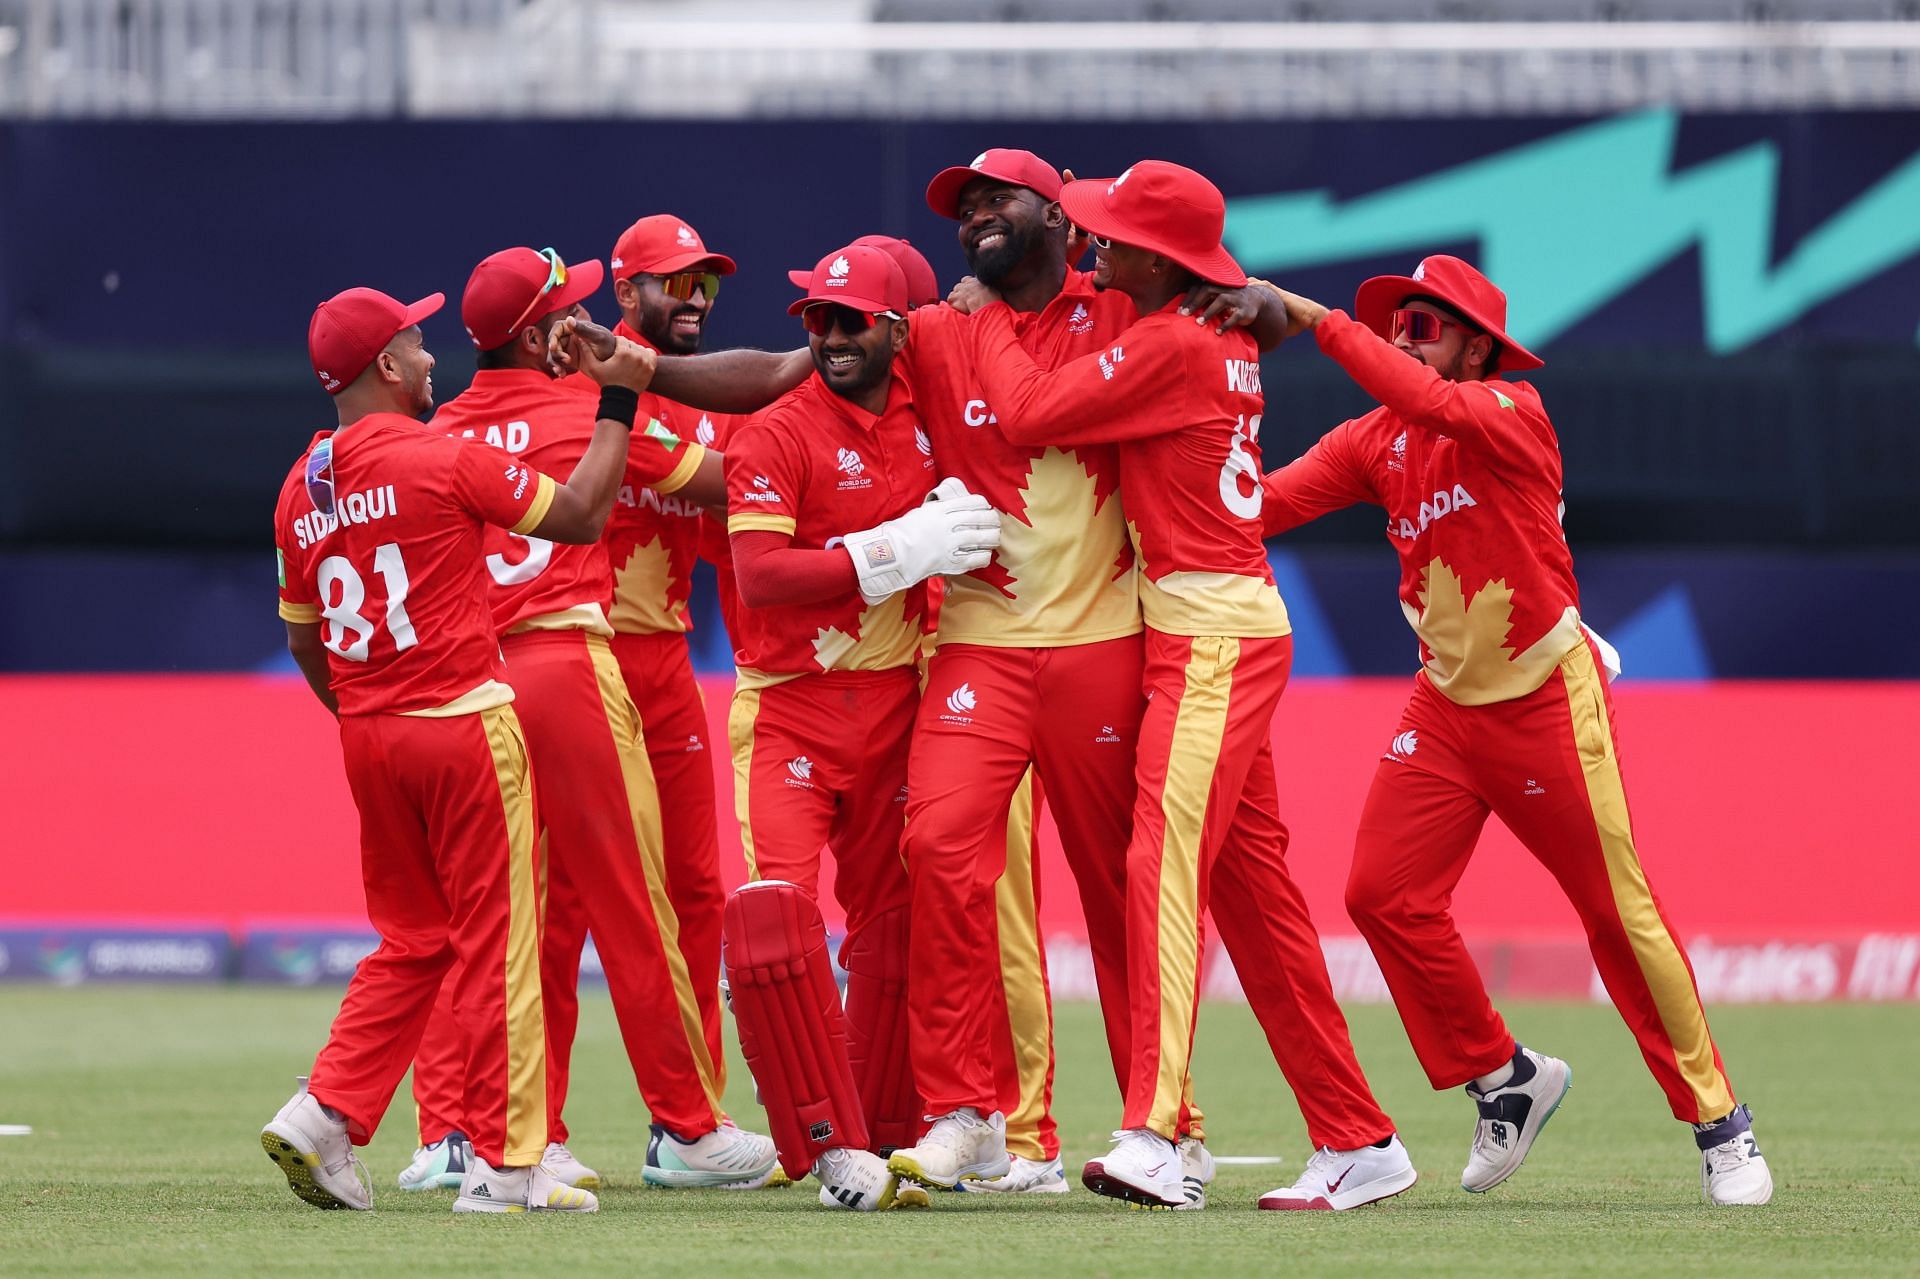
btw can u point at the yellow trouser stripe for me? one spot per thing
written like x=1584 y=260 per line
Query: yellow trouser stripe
x=1661 y=965
x=643 y=802
x=526 y=1139
x=1023 y=976
x=740 y=720
x=1199 y=726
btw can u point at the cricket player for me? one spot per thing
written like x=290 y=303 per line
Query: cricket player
x=1510 y=714
x=384 y=593
x=587 y=742
x=835 y=522
x=1184 y=406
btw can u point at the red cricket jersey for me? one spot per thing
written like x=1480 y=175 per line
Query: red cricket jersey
x=395 y=577
x=1469 y=474
x=1064 y=573
x=653 y=537
x=537 y=584
x=1185 y=406
x=817 y=466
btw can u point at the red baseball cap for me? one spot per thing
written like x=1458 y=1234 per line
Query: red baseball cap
x=1002 y=164
x=1166 y=208
x=514 y=287
x=923 y=286
x=859 y=276
x=349 y=329
x=663 y=245
x=1463 y=289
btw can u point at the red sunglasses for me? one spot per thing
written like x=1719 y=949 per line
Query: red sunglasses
x=1419 y=327
x=825 y=317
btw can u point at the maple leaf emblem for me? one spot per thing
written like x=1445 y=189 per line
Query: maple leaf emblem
x=882 y=637
x=1472 y=662
x=642 y=588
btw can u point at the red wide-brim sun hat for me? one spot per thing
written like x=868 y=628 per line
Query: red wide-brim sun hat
x=1459 y=287
x=1160 y=207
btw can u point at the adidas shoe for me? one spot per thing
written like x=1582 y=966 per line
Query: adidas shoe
x=1024 y=1177
x=1336 y=1180
x=1511 y=1116
x=1142 y=1168
x=1732 y=1169
x=534 y=1189
x=560 y=1162
x=960 y=1146
x=1196 y=1173
x=855 y=1180
x=310 y=1147
x=728 y=1157
x=438 y=1165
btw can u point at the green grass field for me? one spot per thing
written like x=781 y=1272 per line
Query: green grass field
x=144 y=1160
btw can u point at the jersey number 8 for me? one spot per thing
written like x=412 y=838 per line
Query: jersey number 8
x=347 y=632
x=1240 y=462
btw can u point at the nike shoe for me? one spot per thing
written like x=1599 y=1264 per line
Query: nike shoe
x=1336 y=1180
x=728 y=1157
x=535 y=1189
x=1732 y=1169
x=1024 y=1177
x=1511 y=1116
x=1142 y=1168
x=855 y=1180
x=310 y=1147
x=560 y=1162
x=1196 y=1173
x=438 y=1165
x=960 y=1146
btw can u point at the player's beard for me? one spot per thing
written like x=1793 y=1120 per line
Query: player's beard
x=670 y=340
x=996 y=264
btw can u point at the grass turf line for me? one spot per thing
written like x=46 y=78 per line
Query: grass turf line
x=144 y=1160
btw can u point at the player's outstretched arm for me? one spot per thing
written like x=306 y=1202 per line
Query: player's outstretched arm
x=1121 y=393
x=741 y=381
x=303 y=641
x=623 y=369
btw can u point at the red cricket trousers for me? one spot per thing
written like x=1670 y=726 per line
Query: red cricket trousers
x=821 y=760
x=1072 y=714
x=1548 y=765
x=446 y=838
x=1207 y=818
x=603 y=854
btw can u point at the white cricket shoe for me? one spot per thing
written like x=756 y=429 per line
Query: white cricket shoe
x=960 y=1146
x=534 y=1189
x=855 y=1180
x=561 y=1163
x=1196 y=1173
x=1732 y=1169
x=1143 y=1168
x=728 y=1157
x=311 y=1148
x=438 y=1165
x=1336 y=1180
x=1511 y=1116
x=1025 y=1177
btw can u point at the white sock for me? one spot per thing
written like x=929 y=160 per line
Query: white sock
x=1494 y=1078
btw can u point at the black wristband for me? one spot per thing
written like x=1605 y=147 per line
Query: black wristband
x=619 y=404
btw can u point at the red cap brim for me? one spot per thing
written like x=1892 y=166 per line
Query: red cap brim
x=1378 y=298
x=720 y=263
x=800 y=279
x=420 y=310
x=583 y=281
x=872 y=306
x=1080 y=201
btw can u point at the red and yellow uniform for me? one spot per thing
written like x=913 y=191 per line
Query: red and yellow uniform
x=602 y=817
x=824 y=703
x=1038 y=667
x=1185 y=406
x=1510 y=714
x=436 y=763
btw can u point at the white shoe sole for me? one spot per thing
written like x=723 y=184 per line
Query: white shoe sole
x=690 y=1179
x=464 y=1204
x=1367 y=1192
x=293 y=1156
x=905 y=1166
x=1096 y=1178
x=1759 y=1195
x=1536 y=1120
x=1052 y=1186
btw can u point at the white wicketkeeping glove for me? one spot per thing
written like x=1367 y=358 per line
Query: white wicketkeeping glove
x=953 y=531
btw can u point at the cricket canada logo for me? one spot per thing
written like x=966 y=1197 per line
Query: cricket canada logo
x=840 y=268
x=705 y=432
x=1115 y=184
x=1081 y=321
x=960 y=704
x=801 y=769
x=686 y=237
x=921 y=442
x=1403 y=745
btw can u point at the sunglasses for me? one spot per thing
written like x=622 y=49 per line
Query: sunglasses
x=828 y=316
x=320 y=476
x=685 y=284
x=556 y=278
x=1099 y=241
x=1419 y=327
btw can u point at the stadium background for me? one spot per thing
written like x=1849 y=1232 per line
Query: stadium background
x=1711 y=230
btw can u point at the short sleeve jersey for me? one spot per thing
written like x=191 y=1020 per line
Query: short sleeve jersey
x=1184 y=405
x=1469 y=474
x=547 y=424
x=817 y=467
x=653 y=536
x=394 y=577
x=1064 y=573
